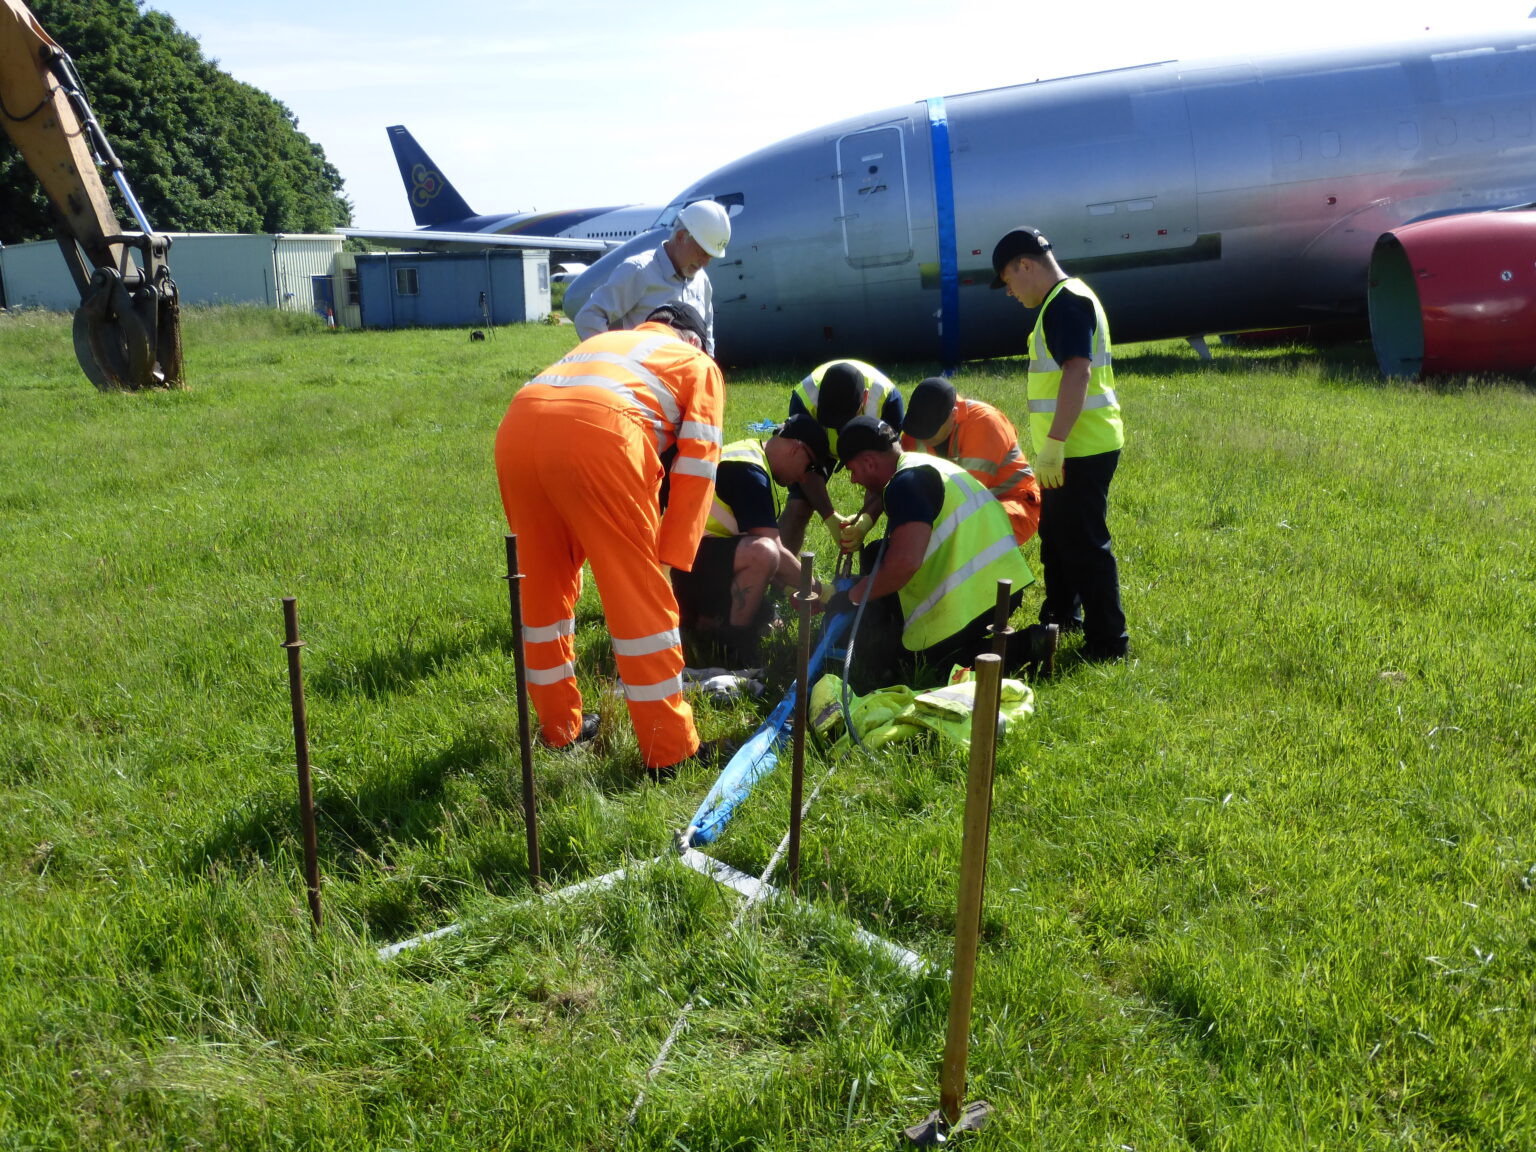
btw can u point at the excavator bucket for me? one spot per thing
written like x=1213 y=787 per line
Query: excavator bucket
x=128 y=328
x=129 y=338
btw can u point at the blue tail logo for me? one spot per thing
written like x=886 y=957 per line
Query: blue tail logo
x=434 y=200
x=425 y=185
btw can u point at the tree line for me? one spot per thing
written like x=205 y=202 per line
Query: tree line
x=203 y=151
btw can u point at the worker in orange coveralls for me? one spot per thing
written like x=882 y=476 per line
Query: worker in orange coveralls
x=581 y=457
x=979 y=438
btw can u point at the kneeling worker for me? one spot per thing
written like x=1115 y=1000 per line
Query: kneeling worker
x=948 y=543
x=982 y=440
x=833 y=394
x=722 y=600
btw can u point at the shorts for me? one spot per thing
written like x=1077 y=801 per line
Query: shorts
x=705 y=592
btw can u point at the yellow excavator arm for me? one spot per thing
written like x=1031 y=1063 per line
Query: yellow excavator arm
x=128 y=328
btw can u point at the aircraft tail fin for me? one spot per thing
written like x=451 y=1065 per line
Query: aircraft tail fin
x=433 y=199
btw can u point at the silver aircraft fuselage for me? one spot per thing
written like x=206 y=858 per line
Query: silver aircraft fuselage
x=1212 y=196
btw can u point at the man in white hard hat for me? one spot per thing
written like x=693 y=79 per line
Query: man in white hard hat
x=672 y=272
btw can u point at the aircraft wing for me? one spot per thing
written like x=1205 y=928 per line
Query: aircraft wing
x=433 y=240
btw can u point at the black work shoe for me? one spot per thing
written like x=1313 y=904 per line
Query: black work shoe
x=710 y=754
x=1069 y=626
x=590 y=723
x=1041 y=652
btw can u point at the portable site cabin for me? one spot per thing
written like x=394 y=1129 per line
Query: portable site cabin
x=452 y=289
x=209 y=268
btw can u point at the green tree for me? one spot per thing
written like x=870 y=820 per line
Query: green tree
x=203 y=151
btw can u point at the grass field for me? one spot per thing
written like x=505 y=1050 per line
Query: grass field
x=1266 y=885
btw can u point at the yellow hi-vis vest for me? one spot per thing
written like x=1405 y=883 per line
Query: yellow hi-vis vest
x=722 y=518
x=1098 y=429
x=877 y=390
x=971 y=549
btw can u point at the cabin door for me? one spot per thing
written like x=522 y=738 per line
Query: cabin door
x=872 y=192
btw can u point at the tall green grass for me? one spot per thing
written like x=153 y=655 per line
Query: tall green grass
x=1266 y=885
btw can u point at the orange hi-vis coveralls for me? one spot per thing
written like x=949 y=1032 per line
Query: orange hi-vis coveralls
x=985 y=444
x=579 y=460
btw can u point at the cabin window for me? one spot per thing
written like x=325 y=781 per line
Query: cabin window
x=349 y=287
x=405 y=282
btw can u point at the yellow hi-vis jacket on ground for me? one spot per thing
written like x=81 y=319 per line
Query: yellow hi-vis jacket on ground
x=971 y=549
x=902 y=713
x=1098 y=429
x=722 y=517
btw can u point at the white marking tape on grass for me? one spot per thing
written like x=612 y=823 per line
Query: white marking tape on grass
x=606 y=880
x=749 y=886
x=755 y=889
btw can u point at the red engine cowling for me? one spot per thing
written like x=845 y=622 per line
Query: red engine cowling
x=1456 y=294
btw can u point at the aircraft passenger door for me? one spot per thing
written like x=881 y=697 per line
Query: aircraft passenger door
x=872 y=198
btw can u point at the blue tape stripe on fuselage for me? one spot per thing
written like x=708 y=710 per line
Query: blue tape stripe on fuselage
x=944 y=208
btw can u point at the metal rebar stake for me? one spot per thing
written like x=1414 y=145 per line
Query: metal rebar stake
x=524 y=729
x=950 y=1118
x=802 y=712
x=301 y=750
x=1000 y=614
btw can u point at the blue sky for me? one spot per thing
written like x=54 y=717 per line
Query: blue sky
x=582 y=102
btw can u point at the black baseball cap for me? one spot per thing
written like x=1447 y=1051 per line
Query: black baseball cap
x=840 y=395
x=1019 y=242
x=931 y=404
x=684 y=317
x=803 y=428
x=864 y=434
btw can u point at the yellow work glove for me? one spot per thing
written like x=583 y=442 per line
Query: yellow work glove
x=853 y=534
x=1050 y=462
x=836 y=523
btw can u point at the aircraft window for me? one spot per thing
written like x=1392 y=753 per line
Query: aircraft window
x=405 y=282
x=1140 y=205
x=1101 y=209
x=1407 y=135
x=1520 y=123
x=1328 y=145
x=1482 y=127
x=1445 y=131
x=1290 y=148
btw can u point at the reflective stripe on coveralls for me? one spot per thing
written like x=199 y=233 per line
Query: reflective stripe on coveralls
x=580 y=473
x=877 y=390
x=722 y=518
x=970 y=550
x=1098 y=429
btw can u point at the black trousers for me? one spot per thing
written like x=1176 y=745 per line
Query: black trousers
x=1082 y=581
x=880 y=659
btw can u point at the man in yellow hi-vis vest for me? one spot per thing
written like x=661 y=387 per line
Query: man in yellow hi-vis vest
x=1074 y=422
x=948 y=543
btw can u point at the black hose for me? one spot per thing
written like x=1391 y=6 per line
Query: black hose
x=853 y=631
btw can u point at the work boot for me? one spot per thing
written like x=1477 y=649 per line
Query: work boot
x=1040 y=649
x=590 y=723
x=740 y=646
x=710 y=754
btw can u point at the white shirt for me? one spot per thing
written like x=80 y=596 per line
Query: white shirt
x=640 y=284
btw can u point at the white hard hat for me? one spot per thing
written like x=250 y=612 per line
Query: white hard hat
x=709 y=225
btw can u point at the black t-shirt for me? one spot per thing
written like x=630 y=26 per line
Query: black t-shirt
x=1069 y=325
x=748 y=492
x=913 y=495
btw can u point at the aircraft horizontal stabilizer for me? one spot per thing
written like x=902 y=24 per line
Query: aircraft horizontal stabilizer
x=437 y=241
